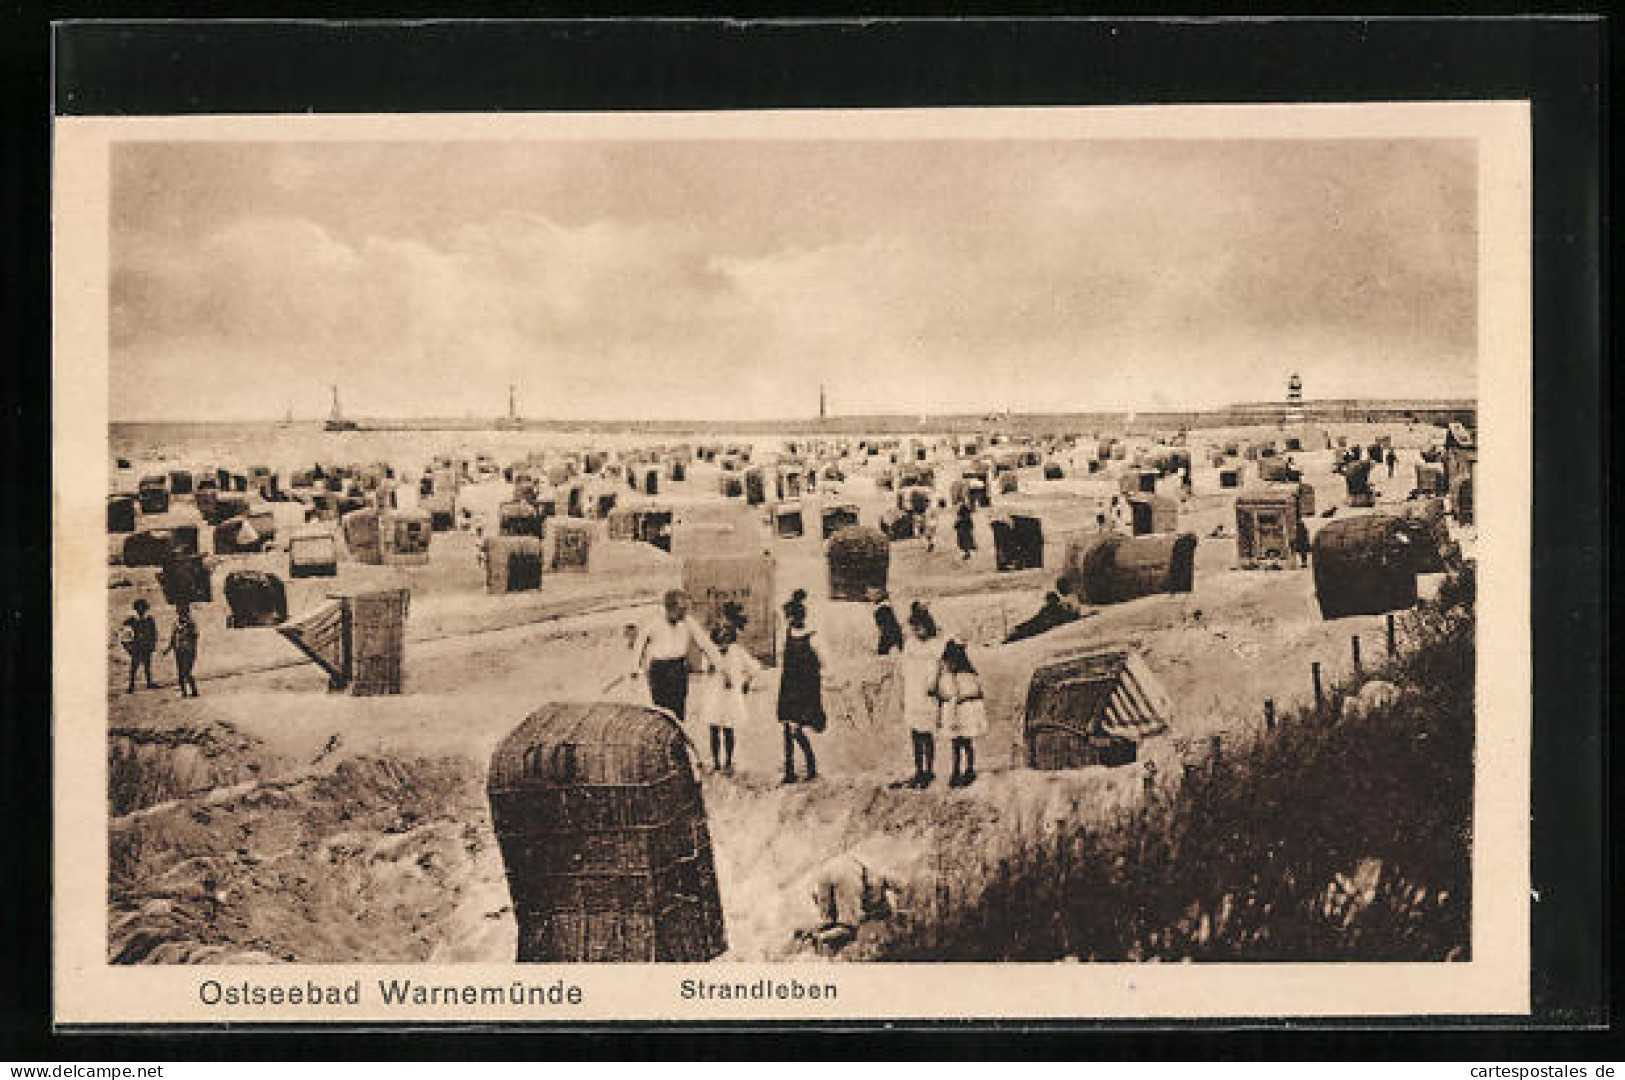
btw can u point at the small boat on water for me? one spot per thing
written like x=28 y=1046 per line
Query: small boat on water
x=335 y=419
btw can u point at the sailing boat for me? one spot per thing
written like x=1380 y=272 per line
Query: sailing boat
x=287 y=421
x=335 y=419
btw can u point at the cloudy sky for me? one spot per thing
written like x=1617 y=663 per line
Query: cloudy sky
x=721 y=279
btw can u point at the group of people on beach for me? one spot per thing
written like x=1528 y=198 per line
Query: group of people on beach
x=138 y=635
x=661 y=656
x=941 y=691
x=927 y=525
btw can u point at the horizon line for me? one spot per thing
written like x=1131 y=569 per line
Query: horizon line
x=1244 y=406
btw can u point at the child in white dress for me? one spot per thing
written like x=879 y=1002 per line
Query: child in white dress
x=730 y=678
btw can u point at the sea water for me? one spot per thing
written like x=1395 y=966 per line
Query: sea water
x=283 y=448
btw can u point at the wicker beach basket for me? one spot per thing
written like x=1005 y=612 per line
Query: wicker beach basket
x=604 y=837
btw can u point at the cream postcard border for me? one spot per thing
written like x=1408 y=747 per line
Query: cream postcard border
x=87 y=990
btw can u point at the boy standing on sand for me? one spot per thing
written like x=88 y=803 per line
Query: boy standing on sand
x=183 y=643
x=139 y=636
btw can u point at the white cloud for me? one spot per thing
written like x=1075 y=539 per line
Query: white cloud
x=737 y=279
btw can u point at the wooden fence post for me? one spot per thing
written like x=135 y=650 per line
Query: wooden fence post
x=1269 y=714
x=1216 y=745
x=1393 y=644
x=1355 y=643
x=1320 y=694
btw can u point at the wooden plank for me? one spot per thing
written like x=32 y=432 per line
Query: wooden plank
x=320 y=635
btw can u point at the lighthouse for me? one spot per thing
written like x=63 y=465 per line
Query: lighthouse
x=1294 y=401
x=335 y=419
x=511 y=422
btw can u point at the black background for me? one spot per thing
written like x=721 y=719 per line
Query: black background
x=175 y=67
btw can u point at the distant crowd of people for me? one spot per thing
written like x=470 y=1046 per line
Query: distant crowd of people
x=928 y=522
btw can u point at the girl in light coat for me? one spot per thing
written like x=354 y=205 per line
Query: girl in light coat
x=963 y=715
x=917 y=672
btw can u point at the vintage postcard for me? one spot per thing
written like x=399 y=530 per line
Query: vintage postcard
x=964 y=563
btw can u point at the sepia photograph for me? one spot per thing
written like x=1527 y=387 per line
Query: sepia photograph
x=793 y=546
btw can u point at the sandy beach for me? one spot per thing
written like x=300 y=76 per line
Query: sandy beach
x=270 y=819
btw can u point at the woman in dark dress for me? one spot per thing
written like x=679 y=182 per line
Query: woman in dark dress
x=801 y=695
x=965 y=531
